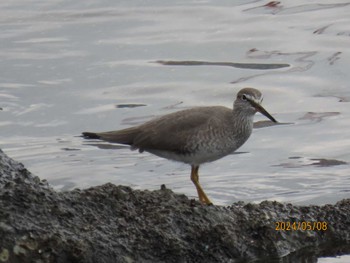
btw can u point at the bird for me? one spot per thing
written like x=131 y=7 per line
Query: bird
x=194 y=136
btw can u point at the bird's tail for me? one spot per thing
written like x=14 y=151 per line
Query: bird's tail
x=90 y=135
x=125 y=136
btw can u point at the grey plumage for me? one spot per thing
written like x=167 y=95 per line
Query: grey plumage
x=193 y=136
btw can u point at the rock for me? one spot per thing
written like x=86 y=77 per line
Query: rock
x=111 y=223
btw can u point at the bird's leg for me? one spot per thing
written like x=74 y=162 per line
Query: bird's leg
x=195 y=180
x=203 y=198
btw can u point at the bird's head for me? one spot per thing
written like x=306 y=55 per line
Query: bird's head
x=249 y=101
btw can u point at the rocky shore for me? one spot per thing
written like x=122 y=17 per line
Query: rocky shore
x=111 y=223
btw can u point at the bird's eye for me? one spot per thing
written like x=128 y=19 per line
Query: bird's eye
x=244 y=97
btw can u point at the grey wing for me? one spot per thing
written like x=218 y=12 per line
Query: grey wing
x=172 y=132
x=125 y=136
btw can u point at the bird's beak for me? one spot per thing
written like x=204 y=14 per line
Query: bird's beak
x=261 y=109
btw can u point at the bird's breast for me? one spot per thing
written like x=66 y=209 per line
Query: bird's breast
x=215 y=145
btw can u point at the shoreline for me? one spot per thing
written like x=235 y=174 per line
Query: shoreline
x=110 y=223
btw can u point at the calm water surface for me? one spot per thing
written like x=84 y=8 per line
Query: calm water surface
x=91 y=65
x=68 y=67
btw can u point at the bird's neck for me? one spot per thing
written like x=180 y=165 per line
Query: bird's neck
x=242 y=117
x=242 y=122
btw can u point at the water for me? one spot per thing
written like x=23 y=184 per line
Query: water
x=343 y=259
x=68 y=67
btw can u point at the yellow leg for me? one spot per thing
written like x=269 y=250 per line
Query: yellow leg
x=203 y=198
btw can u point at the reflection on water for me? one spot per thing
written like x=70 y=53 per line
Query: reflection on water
x=299 y=162
x=130 y=105
x=276 y=7
x=318 y=116
x=227 y=64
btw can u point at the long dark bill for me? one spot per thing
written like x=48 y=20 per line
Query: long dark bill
x=261 y=109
